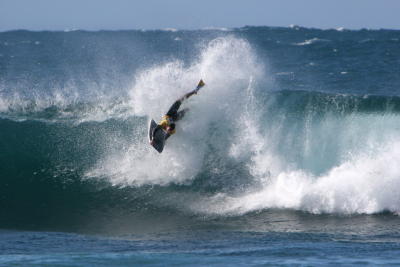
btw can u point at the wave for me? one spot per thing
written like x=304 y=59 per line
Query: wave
x=243 y=147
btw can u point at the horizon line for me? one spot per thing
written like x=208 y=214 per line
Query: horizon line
x=209 y=28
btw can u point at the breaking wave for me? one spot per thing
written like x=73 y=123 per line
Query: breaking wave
x=244 y=146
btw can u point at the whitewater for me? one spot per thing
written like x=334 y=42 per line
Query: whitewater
x=296 y=131
x=227 y=118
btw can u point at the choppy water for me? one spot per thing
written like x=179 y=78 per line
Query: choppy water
x=289 y=155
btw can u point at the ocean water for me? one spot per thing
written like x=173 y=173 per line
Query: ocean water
x=288 y=156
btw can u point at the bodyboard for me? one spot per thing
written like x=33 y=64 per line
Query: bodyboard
x=159 y=136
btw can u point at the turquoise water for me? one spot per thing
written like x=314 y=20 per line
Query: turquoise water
x=288 y=156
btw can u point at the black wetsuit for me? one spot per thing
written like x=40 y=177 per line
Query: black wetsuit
x=174 y=113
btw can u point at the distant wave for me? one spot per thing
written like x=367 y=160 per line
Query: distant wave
x=312 y=41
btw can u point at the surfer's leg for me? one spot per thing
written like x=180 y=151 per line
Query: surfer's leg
x=173 y=110
x=181 y=114
x=186 y=96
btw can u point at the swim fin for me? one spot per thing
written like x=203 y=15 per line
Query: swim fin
x=201 y=84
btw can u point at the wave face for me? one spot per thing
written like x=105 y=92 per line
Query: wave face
x=290 y=119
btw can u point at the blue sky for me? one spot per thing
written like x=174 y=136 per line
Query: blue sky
x=188 y=14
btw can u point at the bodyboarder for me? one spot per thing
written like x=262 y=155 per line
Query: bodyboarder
x=173 y=115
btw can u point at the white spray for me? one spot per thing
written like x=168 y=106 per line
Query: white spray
x=228 y=66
